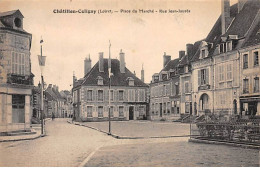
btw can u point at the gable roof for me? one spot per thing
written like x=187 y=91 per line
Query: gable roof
x=8 y=13
x=118 y=78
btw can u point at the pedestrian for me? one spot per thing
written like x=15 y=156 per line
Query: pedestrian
x=53 y=116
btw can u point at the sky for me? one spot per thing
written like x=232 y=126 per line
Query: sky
x=143 y=37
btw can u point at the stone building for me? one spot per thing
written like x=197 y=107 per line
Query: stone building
x=165 y=90
x=16 y=79
x=91 y=94
x=186 y=82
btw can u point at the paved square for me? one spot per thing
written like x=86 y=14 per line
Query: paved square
x=143 y=128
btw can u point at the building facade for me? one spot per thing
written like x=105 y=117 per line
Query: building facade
x=165 y=90
x=127 y=93
x=16 y=79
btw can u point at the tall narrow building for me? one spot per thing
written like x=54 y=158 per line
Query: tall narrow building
x=16 y=79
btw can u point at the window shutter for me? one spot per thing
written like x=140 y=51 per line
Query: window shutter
x=126 y=95
x=94 y=95
x=106 y=95
x=199 y=77
x=117 y=95
x=136 y=95
x=207 y=76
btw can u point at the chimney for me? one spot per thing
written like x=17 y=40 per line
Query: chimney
x=122 y=61
x=189 y=48
x=142 y=74
x=240 y=5
x=101 y=62
x=181 y=54
x=87 y=65
x=225 y=15
x=74 y=79
x=166 y=59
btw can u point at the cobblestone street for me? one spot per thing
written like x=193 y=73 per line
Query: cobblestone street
x=70 y=145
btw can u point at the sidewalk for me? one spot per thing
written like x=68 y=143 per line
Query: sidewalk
x=34 y=128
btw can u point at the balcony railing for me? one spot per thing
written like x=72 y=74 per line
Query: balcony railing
x=20 y=79
x=204 y=87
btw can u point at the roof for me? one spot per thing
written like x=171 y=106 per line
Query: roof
x=118 y=78
x=8 y=13
x=186 y=59
x=254 y=36
x=171 y=65
x=240 y=25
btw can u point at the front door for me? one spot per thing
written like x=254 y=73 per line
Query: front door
x=160 y=109
x=131 y=113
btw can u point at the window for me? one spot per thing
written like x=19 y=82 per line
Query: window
x=245 y=86
x=89 y=111
x=164 y=90
x=223 y=48
x=141 y=95
x=203 y=53
x=131 y=95
x=256 y=84
x=18 y=63
x=100 y=95
x=229 y=72
x=245 y=61
x=229 y=46
x=177 y=88
x=256 y=59
x=111 y=111
x=164 y=107
x=121 y=111
x=221 y=72
x=89 y=95
x=168 y=107
x=164 y=76
x=152 y=109
x=100 y=111
x=131 y=81
x=186 y=69
x=186 y=88
x=100 y=80
x=203 y=77
x=187 y=107
x=18 y=111
x=121 y=95
x=111 y=95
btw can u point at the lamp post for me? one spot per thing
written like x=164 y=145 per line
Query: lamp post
x=109 y=87
x=41 y=59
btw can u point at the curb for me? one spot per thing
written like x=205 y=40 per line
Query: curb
x=126 y=137
x=225 y=143
x=22 y=139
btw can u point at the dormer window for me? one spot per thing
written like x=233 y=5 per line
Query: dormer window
x=186 y=69
x=204 y=50
x=131 y=81
x=229 y=46
x=223 y=48
x=17 y=22
x=100 y=80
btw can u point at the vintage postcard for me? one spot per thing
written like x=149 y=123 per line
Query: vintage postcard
x=130 y=83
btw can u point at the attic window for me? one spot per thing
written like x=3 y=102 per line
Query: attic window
x=100 y=80
x=131 y=81
x=17 y=22
x=164 y=76
x=229 y=45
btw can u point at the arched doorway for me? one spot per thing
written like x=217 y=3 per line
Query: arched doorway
x=204 y=102
x=235 y=106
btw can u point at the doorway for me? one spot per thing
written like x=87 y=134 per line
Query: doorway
x=131 y=112
x=235 y=106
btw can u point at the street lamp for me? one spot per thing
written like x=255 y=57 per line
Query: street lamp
x=109 y=97
x=41 y=59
